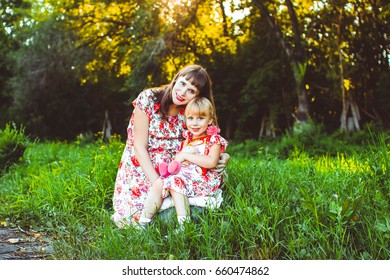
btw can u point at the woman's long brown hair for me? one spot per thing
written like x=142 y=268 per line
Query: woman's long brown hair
x=198 y=77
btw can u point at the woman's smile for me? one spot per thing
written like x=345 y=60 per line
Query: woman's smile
x=179 y=98
x=183 y=91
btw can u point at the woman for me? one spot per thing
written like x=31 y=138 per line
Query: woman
x=154 y=134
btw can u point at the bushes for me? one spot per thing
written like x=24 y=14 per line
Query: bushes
x=314 y=142
x=13 y=143
x=305 y=137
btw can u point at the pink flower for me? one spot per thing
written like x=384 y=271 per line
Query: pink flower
x=212 y=130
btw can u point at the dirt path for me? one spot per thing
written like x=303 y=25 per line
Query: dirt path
x=18 y=244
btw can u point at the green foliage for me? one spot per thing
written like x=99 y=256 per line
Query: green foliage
x=314 y=141
x=58 y=182
x=86 y=57
x=301 y=207
x=45 y=78
x=86 y=138
x=247 y=148
x=382 y=100
x=308 y=137
x=13 y=143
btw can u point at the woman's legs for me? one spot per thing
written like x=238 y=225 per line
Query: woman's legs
x=152 y=204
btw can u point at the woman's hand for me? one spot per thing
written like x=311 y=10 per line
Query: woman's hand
x=223 y=162
x=189 y=149
x=158 y=183
x=181 y=156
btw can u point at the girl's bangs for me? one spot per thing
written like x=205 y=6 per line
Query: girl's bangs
x=195 y=108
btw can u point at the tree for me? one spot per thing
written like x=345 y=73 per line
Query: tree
x=47 y=97
x=347 y=100
x=370 y=50
x=87 y=57
x=348 y=49
x=295 y=53
x=11 y=12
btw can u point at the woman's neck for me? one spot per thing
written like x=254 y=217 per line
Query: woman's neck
x=174 y=110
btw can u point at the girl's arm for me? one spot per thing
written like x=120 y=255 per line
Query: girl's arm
x=141 y=137
x=206 y=161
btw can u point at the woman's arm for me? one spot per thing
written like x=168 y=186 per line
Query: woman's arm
x=223 y=162
x=206 y=161
x=141 y=137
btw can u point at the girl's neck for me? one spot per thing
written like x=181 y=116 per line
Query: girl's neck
x=200 y=136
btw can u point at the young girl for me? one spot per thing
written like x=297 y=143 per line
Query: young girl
x=192 y=173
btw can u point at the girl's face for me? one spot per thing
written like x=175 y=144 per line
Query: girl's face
x=197 y=124
x=183 y=92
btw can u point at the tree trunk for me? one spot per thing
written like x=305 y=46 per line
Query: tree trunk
x=296 y=56
x=355 y=114
x=229 y=127
x=350 y=123
x=106 y=127
x=225 y=27
x=345 y=103
x=262 y=127
x=267 y=125
x=346 y=123
x=303 y=105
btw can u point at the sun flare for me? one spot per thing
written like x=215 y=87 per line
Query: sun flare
x=176 y=3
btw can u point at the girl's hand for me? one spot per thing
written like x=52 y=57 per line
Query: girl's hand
x=223 y=162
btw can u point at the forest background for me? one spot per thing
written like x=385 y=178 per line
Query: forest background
x=309 y=79
x=69 y=67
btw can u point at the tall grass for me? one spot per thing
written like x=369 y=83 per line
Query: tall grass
x=299 y=207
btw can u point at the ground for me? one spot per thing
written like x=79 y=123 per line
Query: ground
x=19 y=244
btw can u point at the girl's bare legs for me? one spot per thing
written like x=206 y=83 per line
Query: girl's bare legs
x=182 y=207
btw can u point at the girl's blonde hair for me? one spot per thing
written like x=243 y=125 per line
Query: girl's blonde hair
x=203 y=107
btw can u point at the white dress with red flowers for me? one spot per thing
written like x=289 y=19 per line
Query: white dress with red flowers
x=193 y=180
x=132 y=185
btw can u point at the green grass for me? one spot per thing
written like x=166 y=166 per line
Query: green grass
x=299 y=207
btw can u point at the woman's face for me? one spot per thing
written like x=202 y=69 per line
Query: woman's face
x=183 y=92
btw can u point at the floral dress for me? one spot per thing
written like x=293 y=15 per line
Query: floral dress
x=193 y=180
x=132 y=185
